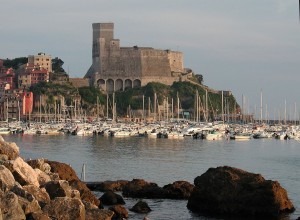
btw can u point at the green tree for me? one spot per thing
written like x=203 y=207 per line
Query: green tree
x=15 y=63
x=57 y=64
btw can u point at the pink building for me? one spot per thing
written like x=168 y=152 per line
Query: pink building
x=7 y=78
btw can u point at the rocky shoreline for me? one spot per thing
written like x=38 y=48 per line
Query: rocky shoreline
x=43 y=189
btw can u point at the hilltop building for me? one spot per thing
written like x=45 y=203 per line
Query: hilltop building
x=41 y=60
x=36 y=70
x=116 y=68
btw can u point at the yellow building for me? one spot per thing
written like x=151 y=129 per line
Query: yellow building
x=42 y=60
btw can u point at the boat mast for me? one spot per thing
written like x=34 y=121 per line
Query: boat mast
x=113 y=109
x=167 y=105
x=155 y=106
x=172 y=111
x=106 y=105
x=40 y=105
x=143 y=107
x=285 y=111
x=177 y=107
x=295 y=116
x=197 y=105
x=222 y=107
x=261 y=107
x=206 y=104
x=242 y=111
x=149 y=111
x=97 y=108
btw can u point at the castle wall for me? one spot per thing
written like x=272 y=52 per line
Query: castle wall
x=161 y=79
x=79 y=82
x=176 y=61
x=155 y=63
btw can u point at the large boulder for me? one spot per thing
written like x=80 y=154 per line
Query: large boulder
x=7 y=180
x=22 y=172
x=60 y=188
x=10 y=207
x=111 y=198
x=138 y=188
x=65 y=208
x=107 y=185
x=121 y=212
x=40 y=194
x=40 y=164
x=26 y=200
x=37 y=216
x=85 y=192
x=178 y=190
x=10 y=149
x=228 y=191
x=43 y=177
x=141 y=207
x=65 y=171
x=101 y=214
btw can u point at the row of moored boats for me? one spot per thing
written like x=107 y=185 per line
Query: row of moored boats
x=171 y=130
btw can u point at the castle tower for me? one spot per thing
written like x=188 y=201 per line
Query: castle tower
x=103 y=34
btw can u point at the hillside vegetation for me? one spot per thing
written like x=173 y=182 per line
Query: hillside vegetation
x=185 y=91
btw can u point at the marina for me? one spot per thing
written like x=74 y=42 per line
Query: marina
x=172 y=129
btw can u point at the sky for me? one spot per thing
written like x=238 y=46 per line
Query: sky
x=249 y=47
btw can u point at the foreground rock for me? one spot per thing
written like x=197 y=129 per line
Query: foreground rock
x=43 y=190
x=66 y=172
x=228 y=191
x=141 y=207
x=178 y=190
x=22 y=172
x=11 y=150
x=111 y=198
x=65 y=208
x=120 y=212
x=139 y=188
x=107 y=185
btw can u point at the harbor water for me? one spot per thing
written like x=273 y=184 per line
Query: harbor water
x=164 y=161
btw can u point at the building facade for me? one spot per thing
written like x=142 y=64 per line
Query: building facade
x=31 y=75
x=41 y=60
x=116 y=68
x=16 y=105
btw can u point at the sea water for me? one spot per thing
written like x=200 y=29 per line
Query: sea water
x=164 y=161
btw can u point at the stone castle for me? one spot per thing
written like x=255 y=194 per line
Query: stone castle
x=116 y=68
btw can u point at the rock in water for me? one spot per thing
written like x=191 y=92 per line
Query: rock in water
x=228 y=191
x=178 y=190
x=141 y=207
x=111 y=198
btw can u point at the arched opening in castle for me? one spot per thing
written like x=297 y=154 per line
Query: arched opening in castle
x=116 y=68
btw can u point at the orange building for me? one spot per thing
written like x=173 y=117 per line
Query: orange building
x=27 y=100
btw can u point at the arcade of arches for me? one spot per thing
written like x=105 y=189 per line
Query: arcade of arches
x=110 y=85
